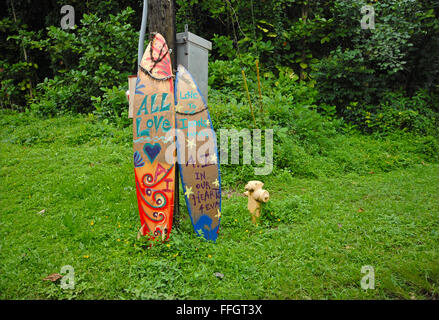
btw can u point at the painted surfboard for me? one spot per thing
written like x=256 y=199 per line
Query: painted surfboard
x=153 y=119
x=197 y=156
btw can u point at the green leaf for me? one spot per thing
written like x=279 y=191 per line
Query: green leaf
x=263 y=29
x=325 y=39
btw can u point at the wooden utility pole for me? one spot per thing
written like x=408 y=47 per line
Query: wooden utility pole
x=161 y=19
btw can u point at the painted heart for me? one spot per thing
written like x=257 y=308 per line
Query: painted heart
x=152 y=151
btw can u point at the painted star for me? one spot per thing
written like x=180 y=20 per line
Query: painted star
x=207 y=122
x=216 y=183
x=188 y=191
x=213 y=158
x=218 y=215
x=178 y=107
x=190 y=143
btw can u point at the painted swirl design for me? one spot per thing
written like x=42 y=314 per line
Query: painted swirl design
x=148 y=180
x=157 y=216
x=160 y=198
x=158 y=232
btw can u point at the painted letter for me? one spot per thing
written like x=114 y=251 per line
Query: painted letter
x=143 y=132
x=164 y=107
x=143 y=106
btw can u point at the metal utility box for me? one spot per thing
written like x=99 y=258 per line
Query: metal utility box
x=192 y=53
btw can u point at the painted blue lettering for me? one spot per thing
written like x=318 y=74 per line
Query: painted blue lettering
x=142 y=133
x=143 y=106
x=153 y=97
x=164 y=107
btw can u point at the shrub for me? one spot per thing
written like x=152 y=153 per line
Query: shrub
x=86 y=61
x=344 y=77
x=397 y=112
x=18 y=70
x=112 y=106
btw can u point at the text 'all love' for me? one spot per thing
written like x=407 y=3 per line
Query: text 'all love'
x=157 y=122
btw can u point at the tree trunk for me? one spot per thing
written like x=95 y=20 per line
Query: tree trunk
x=161 y=19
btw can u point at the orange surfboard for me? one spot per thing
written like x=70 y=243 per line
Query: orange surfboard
x=153 y=119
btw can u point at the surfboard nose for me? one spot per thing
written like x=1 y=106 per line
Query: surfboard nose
x=157 y=37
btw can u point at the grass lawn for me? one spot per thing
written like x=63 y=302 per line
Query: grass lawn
x=313 y=240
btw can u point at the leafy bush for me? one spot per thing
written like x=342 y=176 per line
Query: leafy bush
x=398 y=112
x=344 y=77
x=112 y=106
x=18 y=70
x=86 y=62
x=63 y=94
x=369 y=63
x=279 y=87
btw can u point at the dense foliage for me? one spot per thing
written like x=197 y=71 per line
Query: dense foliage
x=316 y=60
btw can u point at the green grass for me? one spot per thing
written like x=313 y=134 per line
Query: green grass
x=311 y=243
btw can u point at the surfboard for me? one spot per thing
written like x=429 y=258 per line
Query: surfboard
x=153 y=119
x=197 y=154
